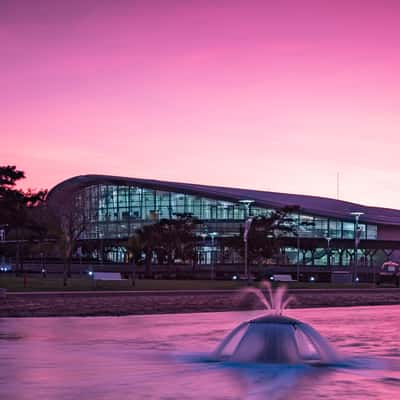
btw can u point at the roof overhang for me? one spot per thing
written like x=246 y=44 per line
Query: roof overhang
x=320 y=206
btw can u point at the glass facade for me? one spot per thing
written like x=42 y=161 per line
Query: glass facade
x=116 y=211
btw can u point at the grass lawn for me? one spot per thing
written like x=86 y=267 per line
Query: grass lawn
x=54 y=282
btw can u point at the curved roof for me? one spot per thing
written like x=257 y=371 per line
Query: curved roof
x=314 y=205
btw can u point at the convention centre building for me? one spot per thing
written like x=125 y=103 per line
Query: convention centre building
x=116 y=207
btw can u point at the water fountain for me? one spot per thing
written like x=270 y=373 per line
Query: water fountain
x=274 y=338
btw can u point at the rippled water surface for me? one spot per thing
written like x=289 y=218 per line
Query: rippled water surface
x=154 y=357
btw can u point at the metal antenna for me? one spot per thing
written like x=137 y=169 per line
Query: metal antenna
x=337 y=184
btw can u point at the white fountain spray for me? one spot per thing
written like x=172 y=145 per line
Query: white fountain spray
x=274 y=301
x=274 y=338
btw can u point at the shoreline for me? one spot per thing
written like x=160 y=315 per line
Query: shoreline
x=105 y=303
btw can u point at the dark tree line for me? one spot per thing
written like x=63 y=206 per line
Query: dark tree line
x=27 y=220
x=265 y=237
x=21 y=212
x=166 y=240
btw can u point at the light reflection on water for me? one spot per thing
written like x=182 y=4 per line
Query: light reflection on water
x=151 y=357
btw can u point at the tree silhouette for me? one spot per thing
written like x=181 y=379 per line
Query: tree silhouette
x=265 y=235
x=69 y=222
x=169 y=239
x=19 y=211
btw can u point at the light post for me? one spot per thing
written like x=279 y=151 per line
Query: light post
x=300 y=224
x=356 y=215
x=298 y=256
x=3 y=228
x=298 y=248
x=101 y=248
x=2 y=236
x=3 y=232
x=247 y=226
x=247 y=203
x=202 y=259
x=213 y=236
x=204 y=235
x=328 y=239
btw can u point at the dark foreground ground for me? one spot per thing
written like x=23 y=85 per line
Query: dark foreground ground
x=44 y=304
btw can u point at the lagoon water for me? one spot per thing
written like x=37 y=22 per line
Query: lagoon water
x=160 y=357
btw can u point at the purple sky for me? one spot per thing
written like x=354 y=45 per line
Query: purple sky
x=275 y=95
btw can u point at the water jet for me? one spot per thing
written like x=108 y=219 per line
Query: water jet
x=274 y=338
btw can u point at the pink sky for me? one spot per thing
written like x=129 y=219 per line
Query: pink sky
x=273 y=95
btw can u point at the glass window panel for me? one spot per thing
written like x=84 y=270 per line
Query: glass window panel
x=177 y=204
x=335 y=228
x=363 y=228
x=348 y=230
x=104 y=204
x=306 y=225
x=372 y=232
x=320 y=227
x=240 y=212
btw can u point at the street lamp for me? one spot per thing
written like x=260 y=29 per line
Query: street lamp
x=297 y=233
x=356 y=215
x=203 y=236
x=298 y=255
x=3 y=228
x=213 y=236
x=247 y=225
x=247 y=203
x=328 y=239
